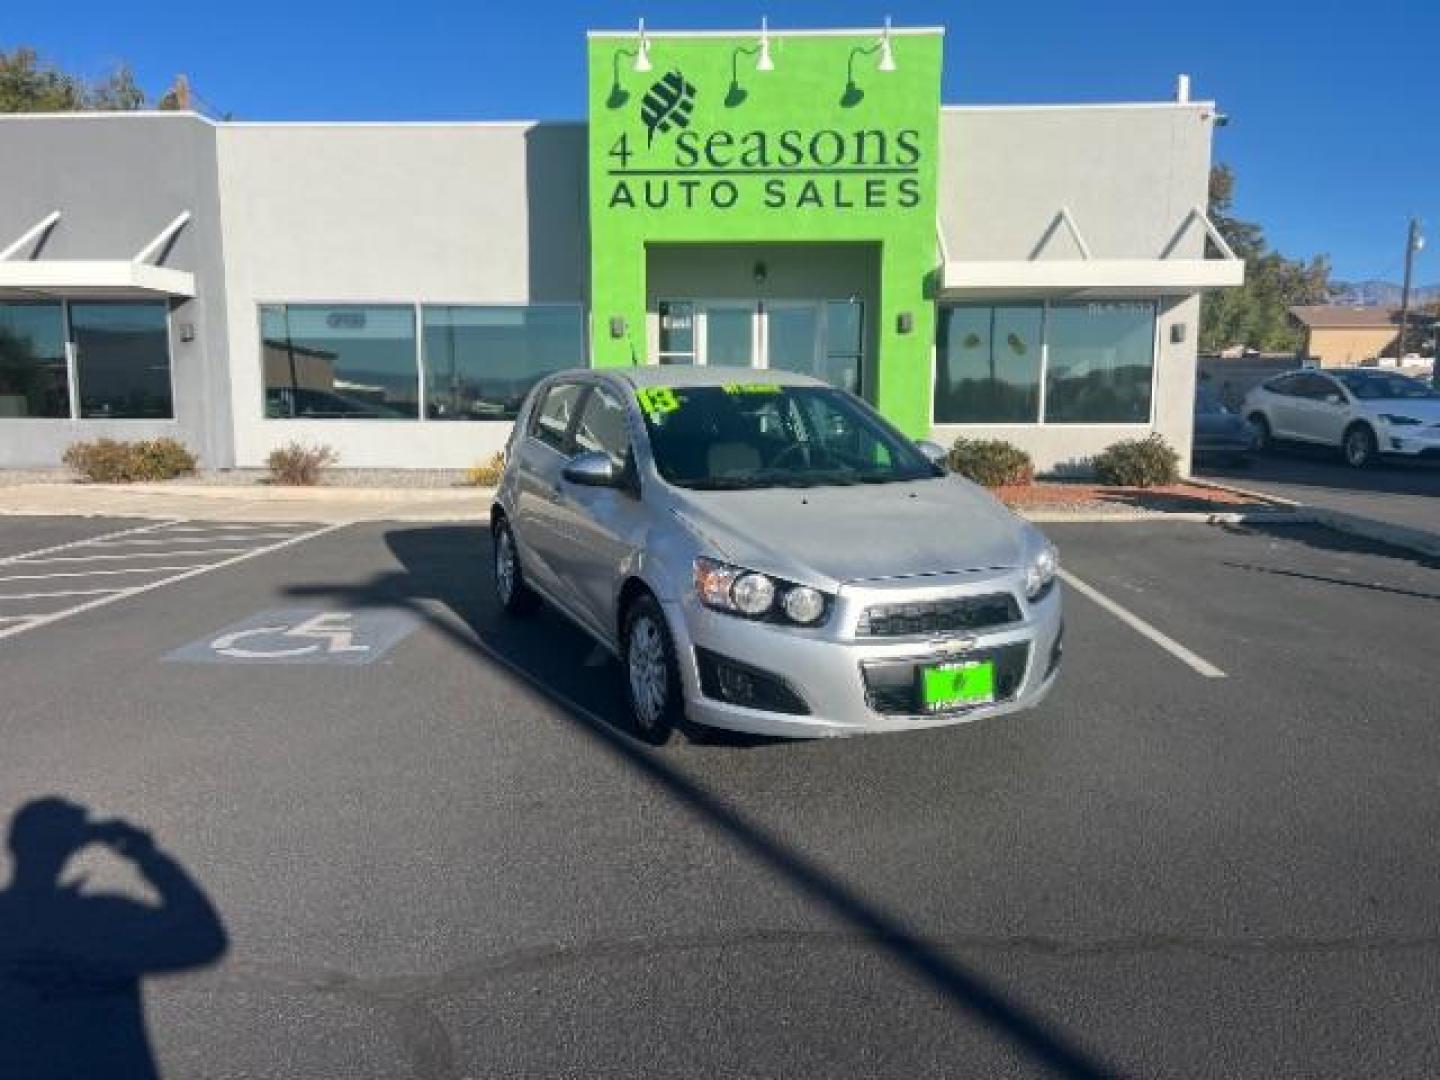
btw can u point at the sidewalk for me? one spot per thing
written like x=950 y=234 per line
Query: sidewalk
x=203 y=502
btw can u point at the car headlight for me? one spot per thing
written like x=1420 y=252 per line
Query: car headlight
x=738 y=591
x=1400 y=421
x=1040 y=572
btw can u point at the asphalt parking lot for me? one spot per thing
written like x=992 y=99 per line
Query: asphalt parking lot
x=435 y=852
x=1395 y=490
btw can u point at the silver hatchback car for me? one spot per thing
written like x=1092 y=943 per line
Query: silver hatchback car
x=767 y=554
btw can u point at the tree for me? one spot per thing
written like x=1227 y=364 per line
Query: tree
x=1257 y=314
x=28 y=84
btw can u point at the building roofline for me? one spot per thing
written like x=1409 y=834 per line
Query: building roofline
x=153 y=114
x=1067 y=106
x=748 y=31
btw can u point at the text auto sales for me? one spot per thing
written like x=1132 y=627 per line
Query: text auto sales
x=825 y=169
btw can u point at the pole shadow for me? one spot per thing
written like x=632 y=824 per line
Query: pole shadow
x=451 y=565
x=71 y=962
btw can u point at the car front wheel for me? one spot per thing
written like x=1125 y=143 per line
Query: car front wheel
x=652 y=676
x=1264 y=440
x=1359 y=447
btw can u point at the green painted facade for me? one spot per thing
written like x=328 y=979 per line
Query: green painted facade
x=825 y=148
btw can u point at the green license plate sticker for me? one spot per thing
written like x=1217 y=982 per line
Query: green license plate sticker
x=949 y=686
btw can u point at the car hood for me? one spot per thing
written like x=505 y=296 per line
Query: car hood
x=827 y=536
x=1424 y=409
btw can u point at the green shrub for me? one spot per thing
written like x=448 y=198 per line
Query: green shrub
x=487 y=473
x=299 y=465
x=1147 y=462
x=991 y=462
x=108 y=461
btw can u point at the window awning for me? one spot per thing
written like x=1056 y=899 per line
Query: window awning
x=135 y=277
x=117 y=278
x=1089 y=276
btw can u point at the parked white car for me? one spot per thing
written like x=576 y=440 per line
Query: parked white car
x=1362 y=412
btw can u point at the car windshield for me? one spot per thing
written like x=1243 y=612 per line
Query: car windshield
x=758 y=435
x=1208 y=403
x=1384 y=385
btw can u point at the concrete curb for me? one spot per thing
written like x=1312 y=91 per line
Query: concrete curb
x=1419 y=541
x=1188 y=517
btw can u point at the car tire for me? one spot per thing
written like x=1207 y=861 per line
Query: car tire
x=1264 y=439
x=515 y=597
x=1358 y=446
x=652 y=675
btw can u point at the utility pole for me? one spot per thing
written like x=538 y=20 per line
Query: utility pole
x=1413 y=243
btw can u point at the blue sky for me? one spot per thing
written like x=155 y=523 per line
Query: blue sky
x=1334 y=106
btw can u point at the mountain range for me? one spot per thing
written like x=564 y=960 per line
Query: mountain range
x=1381 y=293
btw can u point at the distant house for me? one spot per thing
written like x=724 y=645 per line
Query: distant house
x=1341 y=336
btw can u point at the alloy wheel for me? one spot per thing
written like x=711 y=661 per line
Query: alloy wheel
x=649 y=680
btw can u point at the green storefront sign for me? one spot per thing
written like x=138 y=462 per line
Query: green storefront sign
x=836 y=143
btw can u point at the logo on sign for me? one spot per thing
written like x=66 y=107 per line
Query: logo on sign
x=668 y=104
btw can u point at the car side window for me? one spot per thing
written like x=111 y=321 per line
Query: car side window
x=1285 y=384
x=602 y=428
x=1315 y=388
x=554 y=413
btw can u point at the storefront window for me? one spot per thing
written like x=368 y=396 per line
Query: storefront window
x=1100 y=363
x=988 y=364
x=480 y=362
x=122 y=360
x=347 y=362
x=33 y=380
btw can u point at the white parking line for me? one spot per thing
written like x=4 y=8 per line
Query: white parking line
x=27 y=555
x=1143 y=628
x=34 y=622
x=150 y=541
x=93 y=573
x=60 y=592
x=137 y=555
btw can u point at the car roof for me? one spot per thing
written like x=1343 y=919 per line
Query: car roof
x=689 y=375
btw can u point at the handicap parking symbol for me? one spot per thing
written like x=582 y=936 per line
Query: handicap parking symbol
x=302 y=636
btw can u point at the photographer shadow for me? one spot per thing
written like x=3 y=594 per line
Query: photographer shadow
x=71 y=962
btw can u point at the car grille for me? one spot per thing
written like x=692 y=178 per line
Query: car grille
x=964 y=614
x=891 y=687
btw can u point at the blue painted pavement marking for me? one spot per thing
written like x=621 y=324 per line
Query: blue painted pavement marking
x=302 y=636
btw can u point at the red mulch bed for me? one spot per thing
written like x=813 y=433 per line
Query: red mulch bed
x=1172 y=498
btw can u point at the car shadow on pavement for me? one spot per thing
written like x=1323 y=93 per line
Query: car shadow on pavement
x=451 y=565
x=1334 y=542
x=1318 y=467
x=71 y=961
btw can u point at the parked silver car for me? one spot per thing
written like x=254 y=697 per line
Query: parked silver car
x=765 y=553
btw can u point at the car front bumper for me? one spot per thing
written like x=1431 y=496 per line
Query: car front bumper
x=1411 y=441
x=828 y=671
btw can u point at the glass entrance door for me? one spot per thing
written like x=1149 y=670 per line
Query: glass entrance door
x=730 y=334
x=823 y=338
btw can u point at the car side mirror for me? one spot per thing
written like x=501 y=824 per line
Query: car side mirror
x=934 y=453
x=593 y=469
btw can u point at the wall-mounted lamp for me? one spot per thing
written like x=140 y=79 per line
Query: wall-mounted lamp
x=904 y=322
x=187 y=331
x=887 y=55
x=617 y=326
x=1177 y=333
x=642 y=52
x=761 y=273
x=765 y=63
x=737 y=94
x=853 y=95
